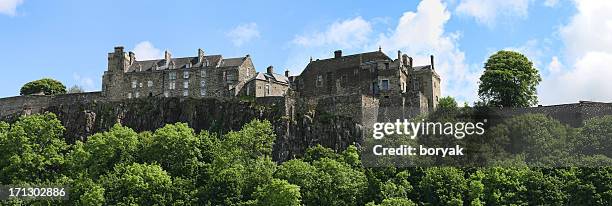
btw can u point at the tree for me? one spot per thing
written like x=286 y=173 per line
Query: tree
x=32 y=150
x=596 y=137
x=137 y=184
x=443 y=186
x=509 y=80
x=176 y=148
x=447 y=103
x=278 y=193
x=76 y=89
x=45 y=86
x=104 y=150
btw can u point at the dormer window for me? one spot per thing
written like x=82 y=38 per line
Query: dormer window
x=187 y=66
x=319 y=80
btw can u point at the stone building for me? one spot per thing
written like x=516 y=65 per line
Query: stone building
x=369 y=85
x=266 y=84
x=199 y=76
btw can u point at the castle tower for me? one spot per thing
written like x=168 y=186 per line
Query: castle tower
x=118 y=64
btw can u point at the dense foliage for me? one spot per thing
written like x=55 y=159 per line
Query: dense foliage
x=509 y=80
x=45 y=86
x=176 y=166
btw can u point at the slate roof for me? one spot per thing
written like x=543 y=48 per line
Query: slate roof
x=274 y=77
x=419 y=68
x=346 y=61
x=149 y=65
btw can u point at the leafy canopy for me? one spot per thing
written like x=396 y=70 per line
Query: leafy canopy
x=45 y=86
x=509 y=80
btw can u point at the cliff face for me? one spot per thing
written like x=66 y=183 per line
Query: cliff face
x=295 y=133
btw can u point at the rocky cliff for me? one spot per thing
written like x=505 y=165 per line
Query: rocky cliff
x=295 y=132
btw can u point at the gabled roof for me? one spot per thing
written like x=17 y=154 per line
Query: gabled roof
x=181 y=62
x=274 y=77
x=346 y=61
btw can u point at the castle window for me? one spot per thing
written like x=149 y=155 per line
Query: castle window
x=137 y=94
x=140 y=85
x=319 y=80
x=202 y=92
x=149 y=83
x=186 y=85
x=187 y=66
x=231 y=77
x=186 y=93
x=186 y=74
x=172 y=85
x=134 y=83
x=202 y=83
x=203 y=73
x=385 y=84
x=267 y=89
x=166 y=94
x=387 y=66
x=172 y=75
x=129 y=95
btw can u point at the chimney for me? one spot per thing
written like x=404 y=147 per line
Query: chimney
x=119 y=49
x=270 y=70
x=200 y=55
x=167 y=56
x=287 y=73
x=410 y=58
x=132 y=58
x=338 y=54
x=399 y=55
x=432 y=62
x=405 y=59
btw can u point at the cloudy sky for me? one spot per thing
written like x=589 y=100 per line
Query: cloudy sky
x=569 y=41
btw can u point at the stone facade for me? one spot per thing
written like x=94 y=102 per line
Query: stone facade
x=199 y=76
x=400 y=89
x=268 y=84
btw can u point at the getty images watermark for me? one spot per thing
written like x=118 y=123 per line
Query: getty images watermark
x=412 y=130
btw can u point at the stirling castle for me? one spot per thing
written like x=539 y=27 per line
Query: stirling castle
x=365 y=86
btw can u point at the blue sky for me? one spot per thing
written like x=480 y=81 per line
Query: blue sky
x=69 y=40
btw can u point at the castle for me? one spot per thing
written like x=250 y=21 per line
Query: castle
x=366 y=87
x=343 y=85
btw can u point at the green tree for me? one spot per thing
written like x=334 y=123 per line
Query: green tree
x=448 y=103
x=394 y=202
x=509 y=80
x=596 y=137
x=33 y=150
x=104 y=150
x=45 y=86
x=137 y=184
x=443 y=186
x=302 y=174
x=278 y=193
x=176 y=148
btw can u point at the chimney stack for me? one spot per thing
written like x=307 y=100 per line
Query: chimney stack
x=410 y=58
x=200 y=55
x=167 y=55
x=119 y=49
x=132 y=58
x=270 y=70
x=287 y=73
x=432 y=62
x=399 y=55
x=338 y=54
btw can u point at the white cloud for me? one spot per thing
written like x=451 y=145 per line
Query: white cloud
x=551 y=3
x=588 y=50
x=350 y=35
x=555 y=66
x=589 y=80
x=488 y=11
x=146 y=51
x=86 y=83
x=458 y=78
x=532 y=49
x=356 y=35
x=346 y=34
x=243 y=33
x=9 y=7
